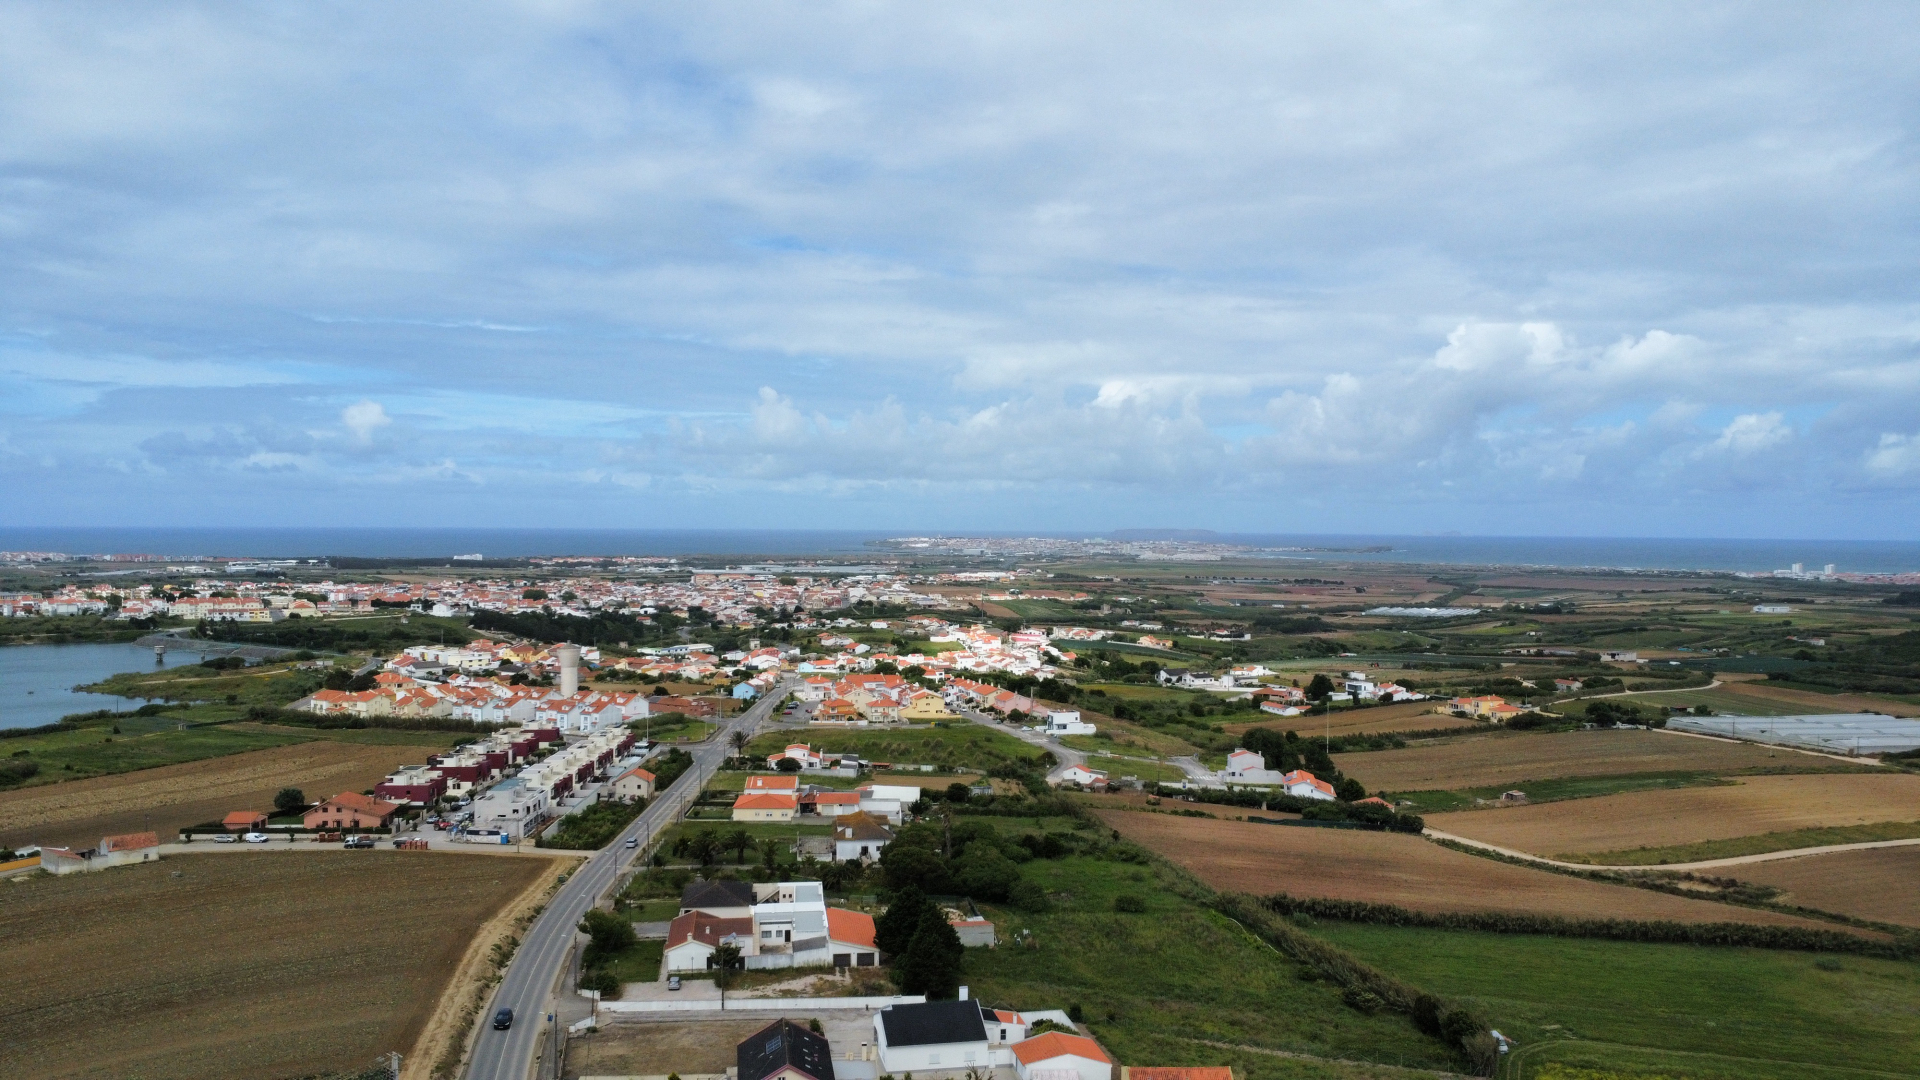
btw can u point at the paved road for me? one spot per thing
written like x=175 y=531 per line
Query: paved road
x=508 y=1055
x=1065 y=755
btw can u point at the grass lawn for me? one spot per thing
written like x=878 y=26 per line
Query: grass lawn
x=653 y=911
x=364 y=736
x=1676 y=1010
x=1178 y=984
x=1751 y=845
x=1571 y=787
x=1149 y=771
x=640 y=963
x=962 y=745
x=271 y=685
x=680 y=729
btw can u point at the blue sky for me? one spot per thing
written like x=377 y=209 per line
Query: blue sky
x=1500 y=268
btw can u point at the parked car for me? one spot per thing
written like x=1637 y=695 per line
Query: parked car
x=358 y=842
x=257 y=838
x=673 y=982
x=503 y=1020
x=226 y=838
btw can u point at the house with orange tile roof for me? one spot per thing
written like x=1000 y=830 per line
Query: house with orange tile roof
x=766 y=806
x=1057 y=1055
x=244 y=821
x=1303 y=784
x=350 y=810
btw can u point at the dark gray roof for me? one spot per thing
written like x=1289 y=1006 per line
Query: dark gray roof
x=780 y=1044
x=708 y=895
x=933 y=1022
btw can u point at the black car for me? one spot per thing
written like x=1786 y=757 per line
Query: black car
x=503 y=1020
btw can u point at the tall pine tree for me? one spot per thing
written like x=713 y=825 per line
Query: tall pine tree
x=894 y=930
x=932 y=962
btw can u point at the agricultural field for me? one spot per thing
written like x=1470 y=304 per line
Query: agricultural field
x=1748 y=806
x=126 y=951
x=169 y=797
x=1510 y=757
x=1753 y=694
x=1880 y=884
x=1178 y=984
x=1721 y=699
x=1151 y=772
x=964 y=744
x=1399 y=869
x=128 y=743
x=1675 y=1011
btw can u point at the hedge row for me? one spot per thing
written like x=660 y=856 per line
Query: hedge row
x=331 y=722
x=1662 y=932
x=1456 y=1024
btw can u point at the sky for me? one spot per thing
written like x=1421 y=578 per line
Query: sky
x=1523 y=269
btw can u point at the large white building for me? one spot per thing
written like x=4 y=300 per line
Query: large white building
x=1249 y=768
x=1066 y=722
x=774 y=925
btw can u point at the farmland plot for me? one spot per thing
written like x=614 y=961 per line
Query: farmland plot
x=1649 y=819
x=1511 y=757
x=1382 y=720
x=1882 y=884
x=239 y=966
x=1395 y=868
x=167 y=798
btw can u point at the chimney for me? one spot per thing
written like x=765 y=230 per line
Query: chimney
x=569 y=657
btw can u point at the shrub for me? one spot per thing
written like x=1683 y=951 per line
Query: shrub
x=1365 y=1001
x=1129 y=903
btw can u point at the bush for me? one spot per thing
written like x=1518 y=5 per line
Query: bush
x=1365 y=1001
x=602 y=980
x=1029 y=897
x=1130 y=904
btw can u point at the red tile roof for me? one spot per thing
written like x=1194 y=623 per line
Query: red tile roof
x=766 y=801
x=850 y=927
x=1058 y=1044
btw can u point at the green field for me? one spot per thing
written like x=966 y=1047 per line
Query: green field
x=1149 y=771
x=1750 y=845
x=1179 y=984
x=1675 y=1010
x=641 y=963
x=271 y=685
x=143 y=743
x=1538 y=791
x=962 y=745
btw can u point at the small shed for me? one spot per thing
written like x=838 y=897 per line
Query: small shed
x=244 y=821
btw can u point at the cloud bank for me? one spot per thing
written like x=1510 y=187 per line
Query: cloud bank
x=1391 y=267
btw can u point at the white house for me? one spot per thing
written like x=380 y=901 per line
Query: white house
x=934 y=1037
x=1057 y=1055
x=1305 y=785
x=1250 y=768
x=774 y=925
x=1066 y=722
x=860 y=836
x=1080 y=774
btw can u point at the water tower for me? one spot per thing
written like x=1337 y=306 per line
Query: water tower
x=569 y=657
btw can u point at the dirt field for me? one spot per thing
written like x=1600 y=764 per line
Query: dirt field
x=1882 y=884
x=1406 y=716
x=1749 y=806
x=1395 y=868
x=656 y=1049
x=1507 y=758
x=80 y=812
x=250 y=967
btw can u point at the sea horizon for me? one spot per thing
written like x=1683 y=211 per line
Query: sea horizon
x=1634 y=553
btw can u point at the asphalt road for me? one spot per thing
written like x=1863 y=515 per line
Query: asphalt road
x=1065 y=755
x=530 y=977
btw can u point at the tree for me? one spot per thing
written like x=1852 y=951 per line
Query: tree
x=787 y=764
x=739 y=740
x=1349 y=790
x=610 y=933
x=770 y=853
x=933 y=959
x=910 y=865
x=985 y=873
x=739 y=840
x=534 y=594
x=958 y=793
x=1320 y=689
x=726 y=961
x=290 y=800
x=893 y=931
x=704 y=847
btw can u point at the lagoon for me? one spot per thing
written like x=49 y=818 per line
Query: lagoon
x=37 y=681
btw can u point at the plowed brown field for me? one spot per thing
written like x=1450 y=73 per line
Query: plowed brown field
x=1510 y=757
x=1395 y=868
x=1818 y=702
x=80 y=812
x=1747 y=807
x=1406 y=716
x=238 y=966
x=1882 y=884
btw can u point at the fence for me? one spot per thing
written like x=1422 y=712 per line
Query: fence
x=740 y=1004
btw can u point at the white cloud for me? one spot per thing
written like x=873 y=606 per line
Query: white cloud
x=363 y=418
x=1752 y=433
x=1897 y=455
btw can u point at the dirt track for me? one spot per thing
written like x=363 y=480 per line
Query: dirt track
x=1406 y=716
x=1511 y=757
x=1396 y=868
x=1747 y=807
x=80 y=812
x=1882 y=884
x=238 y=968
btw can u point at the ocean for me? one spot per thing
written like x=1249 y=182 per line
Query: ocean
x=1642 y=553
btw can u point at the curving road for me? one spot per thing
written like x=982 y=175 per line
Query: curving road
x=535 y=969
